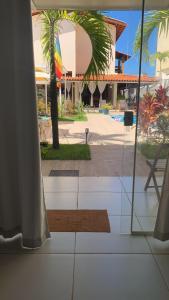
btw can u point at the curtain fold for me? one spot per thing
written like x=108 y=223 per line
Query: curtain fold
x=22 y=205
x=80 y=88
x=68 y=87
x=92 y=88
x=101 y=86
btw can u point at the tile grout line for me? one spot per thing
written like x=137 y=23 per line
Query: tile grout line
x=160 y=271
x=157 y=264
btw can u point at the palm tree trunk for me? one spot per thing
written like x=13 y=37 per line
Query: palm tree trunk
x=53 y=92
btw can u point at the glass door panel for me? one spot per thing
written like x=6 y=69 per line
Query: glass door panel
x=151 y=149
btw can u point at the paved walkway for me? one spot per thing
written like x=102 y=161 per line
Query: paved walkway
x=111 y=144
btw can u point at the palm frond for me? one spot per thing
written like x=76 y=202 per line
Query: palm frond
x=100 y=37
x=153 y=20
x=49 y=19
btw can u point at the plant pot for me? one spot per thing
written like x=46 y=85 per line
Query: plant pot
x=105 y=111
x=100 y=111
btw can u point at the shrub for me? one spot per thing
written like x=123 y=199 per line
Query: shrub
x=41 y=106
x=79 y=108
x=106 y=106
x=151 y=106
x=61 y=108
x=69 y=107
x=162 y=124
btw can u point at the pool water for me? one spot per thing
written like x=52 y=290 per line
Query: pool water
x=120 y=118
x=43 y=118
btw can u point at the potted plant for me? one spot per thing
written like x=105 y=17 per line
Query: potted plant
x=105 y=108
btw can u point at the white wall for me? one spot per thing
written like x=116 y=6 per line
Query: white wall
x=83 y=50
x=38 y=51
x=112 y=30
x=67 y=36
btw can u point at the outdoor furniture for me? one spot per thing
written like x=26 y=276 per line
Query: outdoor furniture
x=156 y=166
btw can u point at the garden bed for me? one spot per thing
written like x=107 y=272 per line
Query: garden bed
x=66 y=152
x=73 y=118
x=149 y=151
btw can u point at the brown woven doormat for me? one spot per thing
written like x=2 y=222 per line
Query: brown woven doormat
x=78 y=221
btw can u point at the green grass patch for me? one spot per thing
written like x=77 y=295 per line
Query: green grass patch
x=73 y=118
x=150 y=150
x=66 y=152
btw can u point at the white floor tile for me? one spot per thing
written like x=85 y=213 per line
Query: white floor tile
x=147 y=223
x=163 y=262
x=115 y=203
x=60 y=242
x=145 y=204
x=118 y=241
x=61 y=200
x=60 y=184
x=100 y=184
x=36 y=277
x=118 y=277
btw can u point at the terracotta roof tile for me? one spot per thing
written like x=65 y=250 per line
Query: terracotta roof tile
x=115 y=78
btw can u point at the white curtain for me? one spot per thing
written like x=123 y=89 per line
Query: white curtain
x=68 y=87
x=22 y=206
x=92 y=88
x=80 y=88
x=101 y=86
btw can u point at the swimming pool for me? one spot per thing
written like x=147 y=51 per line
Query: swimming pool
x=120 y=118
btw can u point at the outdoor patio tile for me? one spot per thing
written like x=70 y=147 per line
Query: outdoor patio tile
x=119 y=277
x=60 y=184
x=60 y=242
x=145 y=204
x=115 y=203
x=163 y=262
x=35 y=277
x=158 y=247
x=61 y=200
x=100 y=184
x=118 y=241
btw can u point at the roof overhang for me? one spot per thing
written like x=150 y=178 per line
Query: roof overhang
x=120 y=25
x=116 y=78
x=121 y=55
x=99 y=4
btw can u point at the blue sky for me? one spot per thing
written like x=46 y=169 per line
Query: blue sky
x=126 y=41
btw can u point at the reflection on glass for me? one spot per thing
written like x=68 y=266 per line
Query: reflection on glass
x=153 y=125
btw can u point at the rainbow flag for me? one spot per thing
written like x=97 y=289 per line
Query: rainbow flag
x=58 y=60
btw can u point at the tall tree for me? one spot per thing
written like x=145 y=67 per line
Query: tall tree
x=94 y=25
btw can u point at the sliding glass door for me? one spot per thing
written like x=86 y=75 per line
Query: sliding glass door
x=150 y=188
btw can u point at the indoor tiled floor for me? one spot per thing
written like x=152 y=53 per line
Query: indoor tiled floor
x=90 y=266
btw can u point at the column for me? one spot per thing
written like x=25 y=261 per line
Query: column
x=77 y=100
x=114 y=95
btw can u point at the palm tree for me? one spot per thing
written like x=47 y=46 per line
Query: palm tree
x=161 y=57
x=94 y=25
x=153 y=20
